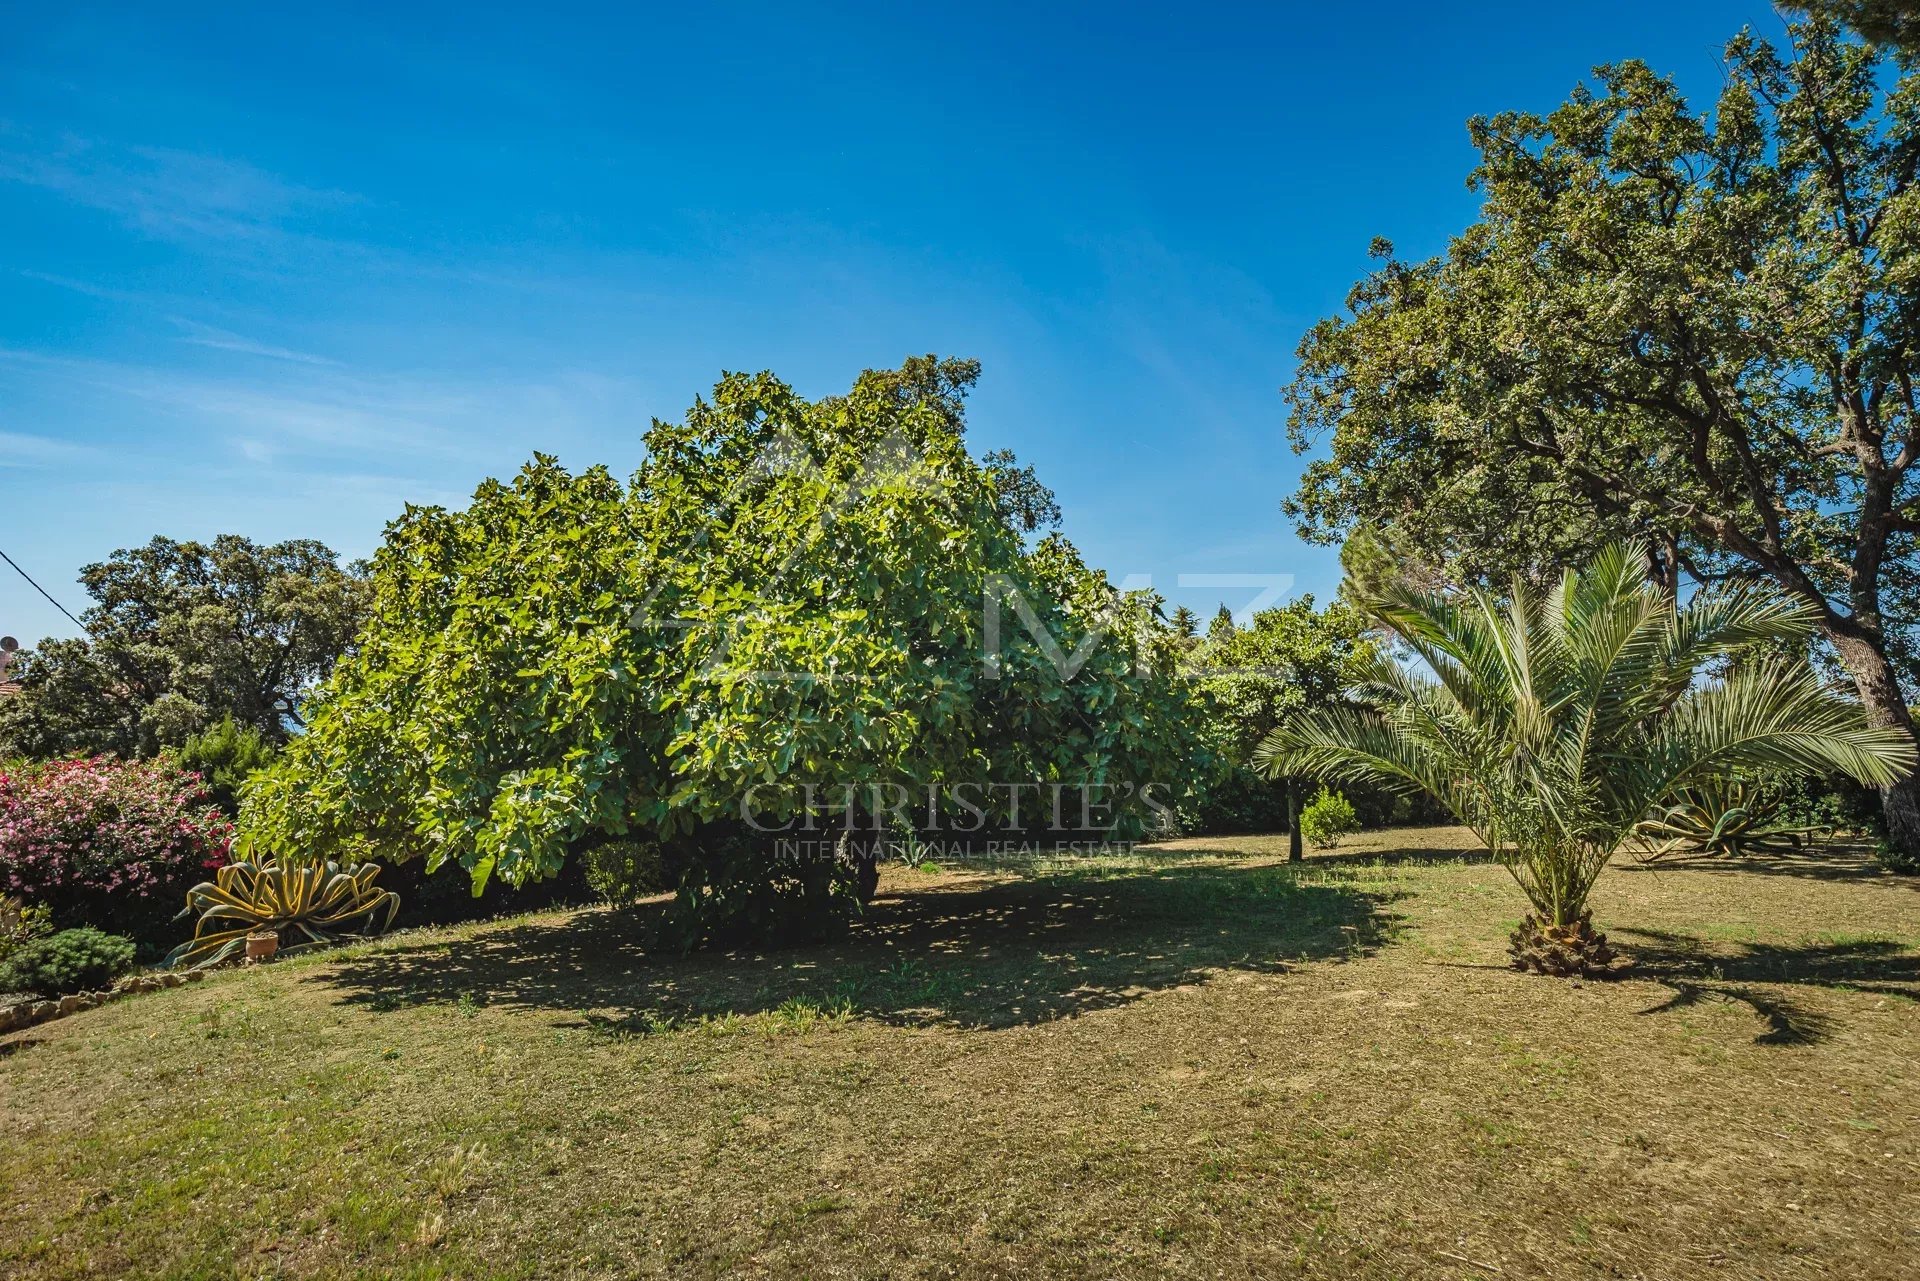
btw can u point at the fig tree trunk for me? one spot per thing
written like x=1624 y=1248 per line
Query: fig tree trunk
x=862 y=857
x=1295 y=852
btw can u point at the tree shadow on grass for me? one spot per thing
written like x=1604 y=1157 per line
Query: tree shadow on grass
x=1411 y=855
x=1695 y=972
x=1007 y=954
x=1408 y=855
x=1836 y=860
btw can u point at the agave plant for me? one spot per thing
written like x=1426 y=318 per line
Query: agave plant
x=1554 y=724
x=1722 y=818
x=307 y=904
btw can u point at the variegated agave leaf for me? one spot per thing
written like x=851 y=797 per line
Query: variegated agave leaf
x=1730 y=819
x=308 y=904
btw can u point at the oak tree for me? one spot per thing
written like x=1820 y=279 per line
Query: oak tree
x=1697 y=329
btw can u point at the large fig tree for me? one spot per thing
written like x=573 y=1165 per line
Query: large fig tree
x=794 y=605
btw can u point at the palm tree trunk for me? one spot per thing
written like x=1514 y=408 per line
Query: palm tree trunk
x=1560 y=939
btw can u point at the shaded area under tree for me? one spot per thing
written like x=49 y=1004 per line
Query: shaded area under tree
x=997 y=955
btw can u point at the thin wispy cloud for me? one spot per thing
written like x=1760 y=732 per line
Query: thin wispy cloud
x=164 y=191
x=325 y=411
x=22 y=449
x=224 y=340
x=85 y=287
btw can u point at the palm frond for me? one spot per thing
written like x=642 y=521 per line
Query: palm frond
x=1348 y=745
x=1773 y=715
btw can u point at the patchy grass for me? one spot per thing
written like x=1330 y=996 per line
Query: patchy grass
x=1193 y=1061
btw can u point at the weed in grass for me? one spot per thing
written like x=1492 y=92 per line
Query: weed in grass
x=816 y=1206
x=640 y=1023
x=456 y=1172
x=231 y=1021
x=802 y=1014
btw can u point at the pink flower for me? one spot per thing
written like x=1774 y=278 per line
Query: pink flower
x=79 y=828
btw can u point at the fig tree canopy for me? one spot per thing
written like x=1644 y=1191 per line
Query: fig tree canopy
x=788 y=592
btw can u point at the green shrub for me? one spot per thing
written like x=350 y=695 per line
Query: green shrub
x=622 y=871
x=224 y=756
x=70 y=961
x=1327 y=818
x=1893 y=858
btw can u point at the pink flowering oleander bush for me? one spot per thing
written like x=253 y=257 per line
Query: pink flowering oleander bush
x=107 y=842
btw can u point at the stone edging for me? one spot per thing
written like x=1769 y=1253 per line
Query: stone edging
x=27 y=1013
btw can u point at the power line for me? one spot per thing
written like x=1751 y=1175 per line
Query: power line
x=43 y=591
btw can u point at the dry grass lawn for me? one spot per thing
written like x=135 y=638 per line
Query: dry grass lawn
x=1194 y=1061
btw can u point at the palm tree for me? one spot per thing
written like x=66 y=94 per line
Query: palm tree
x=1553 y=724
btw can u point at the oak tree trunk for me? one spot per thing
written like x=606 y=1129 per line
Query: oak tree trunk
x=1879 y=689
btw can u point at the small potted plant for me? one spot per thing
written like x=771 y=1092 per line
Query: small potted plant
x=262 y=944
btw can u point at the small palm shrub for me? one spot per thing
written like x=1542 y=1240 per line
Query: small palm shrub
x=1554 y=724
x=107 y=842
x=1327 y=818
x=70 y=961
x=307 y=904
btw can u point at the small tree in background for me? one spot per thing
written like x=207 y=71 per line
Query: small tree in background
x=1286 y=662
x=180 y=636
x=225 y=756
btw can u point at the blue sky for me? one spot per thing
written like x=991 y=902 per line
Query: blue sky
x=277 y=273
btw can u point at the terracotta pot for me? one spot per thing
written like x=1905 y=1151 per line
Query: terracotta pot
x=263 y=945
